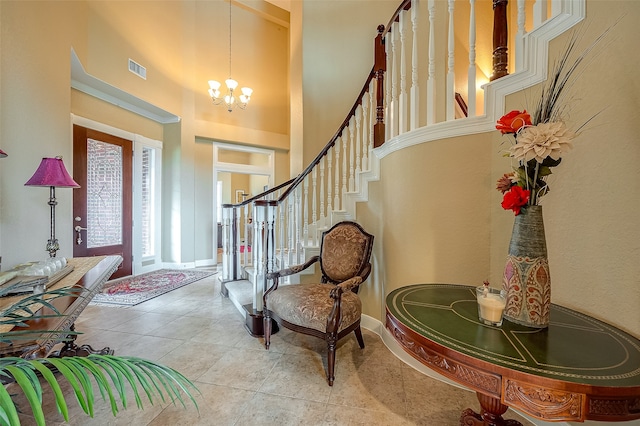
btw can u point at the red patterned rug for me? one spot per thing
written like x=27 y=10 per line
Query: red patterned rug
x=134 y=290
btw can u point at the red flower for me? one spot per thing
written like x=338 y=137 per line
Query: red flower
x=513 y=121
x=515 y=198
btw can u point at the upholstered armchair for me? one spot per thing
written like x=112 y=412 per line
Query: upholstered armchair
x=330 y=309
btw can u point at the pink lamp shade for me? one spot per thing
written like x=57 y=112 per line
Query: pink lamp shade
x=52 y=172
x=2 y=154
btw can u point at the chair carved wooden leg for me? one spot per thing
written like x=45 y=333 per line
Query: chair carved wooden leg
x=331 y=358
x=267 y=330
x=358 y=333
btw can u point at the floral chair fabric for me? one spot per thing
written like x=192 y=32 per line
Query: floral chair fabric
x=330 y=309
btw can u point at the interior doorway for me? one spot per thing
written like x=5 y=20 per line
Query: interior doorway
x=239 y=173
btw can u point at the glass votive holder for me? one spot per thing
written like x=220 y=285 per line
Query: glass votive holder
x=491 y=303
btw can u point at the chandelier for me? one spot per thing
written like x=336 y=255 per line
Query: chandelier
x=230 y=99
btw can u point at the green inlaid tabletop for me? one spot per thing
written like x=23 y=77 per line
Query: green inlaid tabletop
x=574 y=348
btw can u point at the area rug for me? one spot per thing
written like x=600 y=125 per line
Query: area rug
x=131 y=291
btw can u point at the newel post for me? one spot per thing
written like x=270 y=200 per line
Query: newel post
x=227 y=246
x=264 y=218
x=379 y=68
x=500 y=39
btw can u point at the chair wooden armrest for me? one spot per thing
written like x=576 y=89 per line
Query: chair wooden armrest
x=292 y=269
x=347 y=285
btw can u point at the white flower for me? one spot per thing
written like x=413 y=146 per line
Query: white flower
x=542 y=141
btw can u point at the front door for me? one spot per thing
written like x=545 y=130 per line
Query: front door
x=102 y=206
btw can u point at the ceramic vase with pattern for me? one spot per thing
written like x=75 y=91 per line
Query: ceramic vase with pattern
x=526 y=276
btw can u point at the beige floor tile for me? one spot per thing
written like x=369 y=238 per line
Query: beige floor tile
x=146 y=323
x=182 y=328
x=298 y=376
x=339 y=415
x=192 y=359
x=149 y=347
x=272 y=410
x=368 y=386
x=220 y=332
x=107 y=318
x=217 y=405
x=241 y=368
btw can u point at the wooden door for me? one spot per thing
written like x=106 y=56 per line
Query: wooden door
x=102 y=206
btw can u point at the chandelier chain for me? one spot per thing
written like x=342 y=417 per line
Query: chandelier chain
x=231 y=99
x=229 y=38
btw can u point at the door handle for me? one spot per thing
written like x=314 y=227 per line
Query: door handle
x=79 y=228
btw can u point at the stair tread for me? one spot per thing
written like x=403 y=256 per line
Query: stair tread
x=240 y=291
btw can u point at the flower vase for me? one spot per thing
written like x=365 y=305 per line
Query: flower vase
x=526 y=276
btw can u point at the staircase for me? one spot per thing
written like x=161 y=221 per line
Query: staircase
x=284 y=224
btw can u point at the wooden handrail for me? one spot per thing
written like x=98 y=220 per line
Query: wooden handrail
x=259 y=196
x=500 y=62
x=331 y=142
x=405 y=5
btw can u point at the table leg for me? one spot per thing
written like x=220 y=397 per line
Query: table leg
x=492 y=411
x=71 y=349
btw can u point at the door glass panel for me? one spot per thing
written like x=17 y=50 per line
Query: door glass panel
x=104 y=194
x=147 y=198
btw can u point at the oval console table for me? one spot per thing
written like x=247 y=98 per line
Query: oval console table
x=577 y=369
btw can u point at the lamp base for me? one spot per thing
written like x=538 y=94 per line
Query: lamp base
x=52 y=247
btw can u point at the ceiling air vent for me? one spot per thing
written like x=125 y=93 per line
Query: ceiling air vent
x=137 y=69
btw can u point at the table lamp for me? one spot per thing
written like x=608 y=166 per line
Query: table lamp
x=52 y=173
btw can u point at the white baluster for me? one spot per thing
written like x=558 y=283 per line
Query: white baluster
x=394 y=118
x=270 y=242
x=388 y=101
x=245 y=225
x=322 y=212
x=314 y=204
x=336 y=196
x=414 y=108
x=352 y=183
x=298 y=225
x=291 y=223
x=225 y=244
x=402 y=97
x=329 y=175
x=471 y=87
x=358 y=142
x=519 y=42
x=540 y=12
x=259 y=218
x=305 y=209
x=281 y=228
x=344 y=168
x=431 y=81
x=365 y=131
x=451 y=62
x=372 y=121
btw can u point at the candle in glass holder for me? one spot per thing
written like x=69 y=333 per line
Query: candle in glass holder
x=491 y=303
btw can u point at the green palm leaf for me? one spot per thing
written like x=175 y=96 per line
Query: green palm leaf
x=111 y=374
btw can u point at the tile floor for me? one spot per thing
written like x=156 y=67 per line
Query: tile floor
x=200 y=333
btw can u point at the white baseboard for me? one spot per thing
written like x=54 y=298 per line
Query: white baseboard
x=172 y=265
